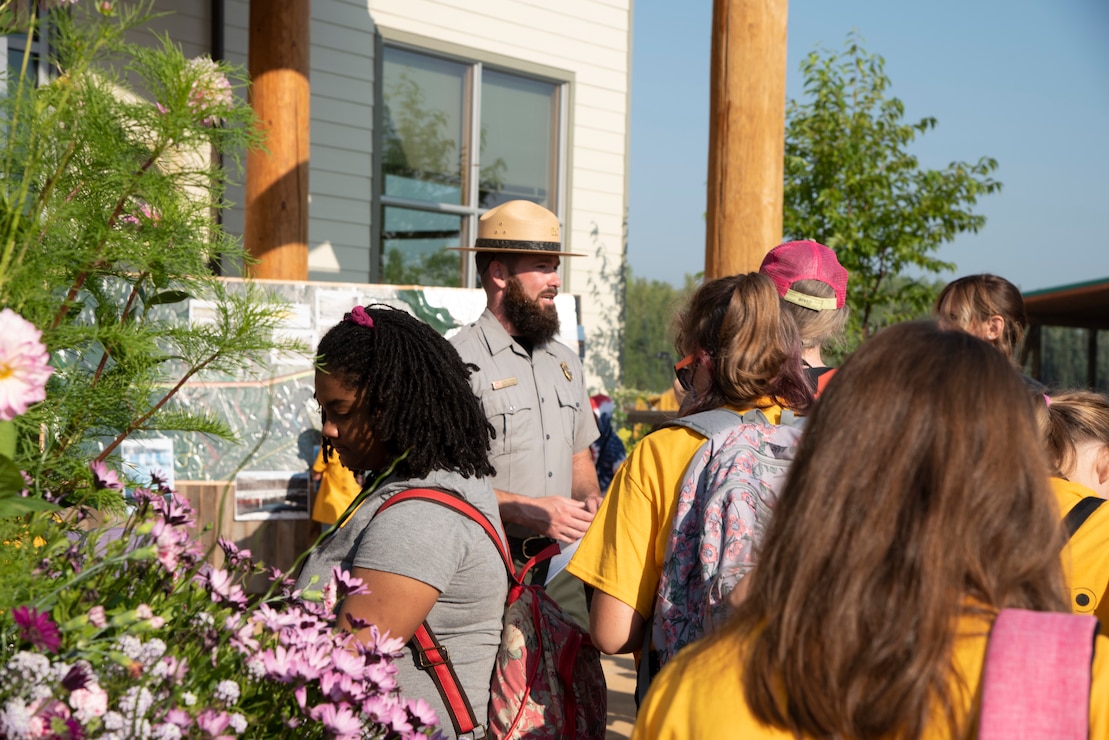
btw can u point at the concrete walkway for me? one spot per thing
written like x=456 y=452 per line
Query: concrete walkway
x=620 y=677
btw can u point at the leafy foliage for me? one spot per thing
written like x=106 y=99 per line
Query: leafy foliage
x=109 y=187
x=851 y=183
x=648 y=343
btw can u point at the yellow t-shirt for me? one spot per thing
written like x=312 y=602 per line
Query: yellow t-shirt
x=336 y=490
x=1086 y=555
x=699 y=693
x=622 y=552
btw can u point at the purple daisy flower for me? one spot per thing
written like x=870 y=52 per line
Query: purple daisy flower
x=37 y=628
x=104 y=477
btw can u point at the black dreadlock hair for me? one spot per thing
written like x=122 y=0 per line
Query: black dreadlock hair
x=418 y=389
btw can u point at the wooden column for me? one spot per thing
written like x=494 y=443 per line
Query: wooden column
x=276 y=226
x=746 y=134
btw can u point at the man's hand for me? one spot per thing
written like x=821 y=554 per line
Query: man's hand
x=562 y=519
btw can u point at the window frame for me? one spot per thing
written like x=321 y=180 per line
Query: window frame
x=40 y=45
x=469 y=212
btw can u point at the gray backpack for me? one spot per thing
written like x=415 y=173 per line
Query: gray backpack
x=726 y=498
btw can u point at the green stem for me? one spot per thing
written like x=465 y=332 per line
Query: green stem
x=365 y=493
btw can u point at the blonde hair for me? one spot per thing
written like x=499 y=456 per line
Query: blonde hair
x=1074 y=417
x=817 y=328
x=975 y=298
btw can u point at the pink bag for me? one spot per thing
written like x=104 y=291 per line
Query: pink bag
x=1036 y=679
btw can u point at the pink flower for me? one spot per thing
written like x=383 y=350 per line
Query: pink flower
x=338 y=719
x=37 y=628
x=24 y=365
x=104 y=477
x=422 y=712
x=97 y=617
x=89 y=702
x=346 y=584
x=213 y=722
x=210 y=95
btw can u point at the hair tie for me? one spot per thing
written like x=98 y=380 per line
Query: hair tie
x=359 y=316
x=1047 y=399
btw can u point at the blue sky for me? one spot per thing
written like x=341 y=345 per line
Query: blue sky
x=1023 y=81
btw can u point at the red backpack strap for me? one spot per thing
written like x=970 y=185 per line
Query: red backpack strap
x=1037 y=675
x=432 y=656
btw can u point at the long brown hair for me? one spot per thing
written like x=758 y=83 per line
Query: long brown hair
x=754 y=345
x=919 y=494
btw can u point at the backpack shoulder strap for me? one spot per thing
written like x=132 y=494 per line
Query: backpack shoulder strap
x=431 y=654
x=1036 y=678
x=707 y=423
x=1080 y=513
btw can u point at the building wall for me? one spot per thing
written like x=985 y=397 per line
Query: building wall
x=590 y=39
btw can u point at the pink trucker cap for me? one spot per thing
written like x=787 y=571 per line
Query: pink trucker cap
x=787 y=263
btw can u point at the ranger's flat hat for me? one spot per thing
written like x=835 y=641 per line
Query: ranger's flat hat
x=520 y=227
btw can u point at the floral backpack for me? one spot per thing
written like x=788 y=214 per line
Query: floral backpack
x=547 y=679
x=724 y=504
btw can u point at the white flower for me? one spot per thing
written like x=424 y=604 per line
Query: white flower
x=227 y=691
x=188 y=698
x=237 y=722
x=15 y=719
x=24 y=365
x=113 y=721
x=168 y=731
x=130 y=646
x=152 y=651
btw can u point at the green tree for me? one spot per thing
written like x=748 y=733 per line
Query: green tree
x=649 y=311
x=851 y=183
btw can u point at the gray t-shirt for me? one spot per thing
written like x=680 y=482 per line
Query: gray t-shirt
x=538 y=405
x=446 y=550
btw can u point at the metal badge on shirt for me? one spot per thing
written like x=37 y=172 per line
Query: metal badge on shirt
x=566 y=371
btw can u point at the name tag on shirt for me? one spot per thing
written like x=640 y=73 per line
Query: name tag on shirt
x=506 y=383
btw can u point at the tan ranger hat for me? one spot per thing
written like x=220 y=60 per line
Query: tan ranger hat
x=518 y=226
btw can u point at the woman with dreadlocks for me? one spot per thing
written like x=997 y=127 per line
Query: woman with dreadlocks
x=388 y=384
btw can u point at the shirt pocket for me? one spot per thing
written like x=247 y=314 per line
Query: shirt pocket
x=508 y=410
x=569 y=408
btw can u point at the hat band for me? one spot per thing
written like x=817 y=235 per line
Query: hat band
x=810 y=301
x=495 y=244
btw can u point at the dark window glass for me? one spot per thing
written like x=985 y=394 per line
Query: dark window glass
x=519 y=139
x=423 y=125
x=414 y=247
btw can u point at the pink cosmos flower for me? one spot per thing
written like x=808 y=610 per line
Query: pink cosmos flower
x=37 y=628
x=104 y=477
x=24 y=365
x=346 y=584
x=422 y=712
x=213 y=722
x=338 y=719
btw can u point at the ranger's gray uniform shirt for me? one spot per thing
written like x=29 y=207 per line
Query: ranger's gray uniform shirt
x=537 y=404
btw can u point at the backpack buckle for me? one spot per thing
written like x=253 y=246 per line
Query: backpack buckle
x=478 y=733
x=426 y=662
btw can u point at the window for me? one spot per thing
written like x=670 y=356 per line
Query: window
x=15 y=50
x=434 y=112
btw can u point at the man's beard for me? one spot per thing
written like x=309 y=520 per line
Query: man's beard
x=532 y=321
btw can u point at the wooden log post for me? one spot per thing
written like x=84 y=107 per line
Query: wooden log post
x=746 y=134
x=275 y=229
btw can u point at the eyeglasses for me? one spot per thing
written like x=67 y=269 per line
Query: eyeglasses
x=684 y=371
